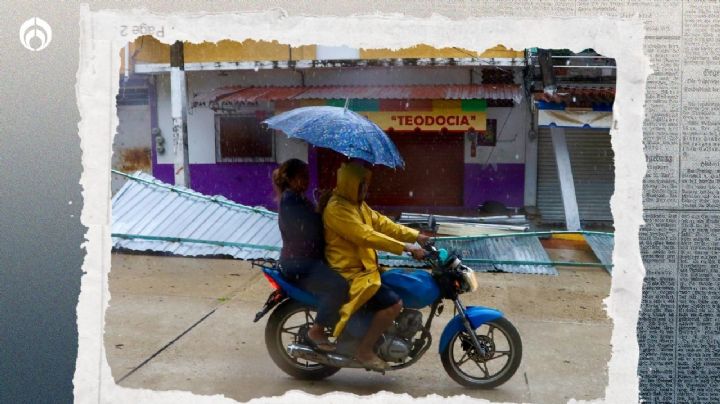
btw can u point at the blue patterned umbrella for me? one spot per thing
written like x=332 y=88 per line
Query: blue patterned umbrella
x=341 y=130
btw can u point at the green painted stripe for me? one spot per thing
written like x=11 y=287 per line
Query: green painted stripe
x=188 y=193
x=473 y=105
x=356 y=104
x=364 y=105
x=335 y=102
x=197 y=241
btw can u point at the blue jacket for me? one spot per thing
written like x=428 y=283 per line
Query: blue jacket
x=301 y=228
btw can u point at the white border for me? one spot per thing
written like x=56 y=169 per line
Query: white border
x=97 y=84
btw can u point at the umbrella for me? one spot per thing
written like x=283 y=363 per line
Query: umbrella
x=341 y=130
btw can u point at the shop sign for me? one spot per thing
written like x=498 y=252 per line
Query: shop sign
x=451 y=120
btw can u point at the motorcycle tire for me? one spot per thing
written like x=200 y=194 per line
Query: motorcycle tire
x=487 y=381
x=277 y=348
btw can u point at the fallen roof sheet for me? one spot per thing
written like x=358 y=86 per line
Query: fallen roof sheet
x=497 y=219
x=602 y=245
x=476 y=250
x=153 y=216
x=149 y=215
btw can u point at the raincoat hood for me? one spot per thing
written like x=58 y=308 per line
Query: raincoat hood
x=349 y=178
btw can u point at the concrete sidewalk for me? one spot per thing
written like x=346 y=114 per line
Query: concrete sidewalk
x=188 y=323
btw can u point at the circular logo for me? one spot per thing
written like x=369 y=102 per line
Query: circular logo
x=35 y=34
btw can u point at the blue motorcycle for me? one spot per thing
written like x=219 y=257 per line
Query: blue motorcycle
x=479 y=348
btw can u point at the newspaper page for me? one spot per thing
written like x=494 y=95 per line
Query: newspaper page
x=678 y=329
x=678 y=324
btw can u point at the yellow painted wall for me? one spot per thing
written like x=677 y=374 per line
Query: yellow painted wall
x=415 y=52
x=426 y=51
x=500 y=51
x=147 y=49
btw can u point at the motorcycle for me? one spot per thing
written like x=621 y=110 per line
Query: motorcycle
x=479 y=347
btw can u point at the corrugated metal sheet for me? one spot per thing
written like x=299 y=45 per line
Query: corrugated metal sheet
x=255 y=94
x=522 y=248
x=432 y=92
x=234 y=94
x=215 y=94
x=602 y=245
x=146 y=208
x=151 y=208
x=591 y=158
x=133 y=91
x=504 y=248
x=578 y=97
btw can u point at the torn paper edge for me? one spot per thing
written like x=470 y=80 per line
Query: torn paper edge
x=97 y=85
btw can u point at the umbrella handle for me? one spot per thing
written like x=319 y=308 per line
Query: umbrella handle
x=347 y=101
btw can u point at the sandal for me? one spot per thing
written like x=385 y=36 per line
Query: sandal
x=323 y=345
x=374 y=364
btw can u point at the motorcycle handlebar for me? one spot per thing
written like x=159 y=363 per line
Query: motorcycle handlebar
x=432 y=252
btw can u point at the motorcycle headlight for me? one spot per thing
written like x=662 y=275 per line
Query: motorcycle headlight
x=470 y=283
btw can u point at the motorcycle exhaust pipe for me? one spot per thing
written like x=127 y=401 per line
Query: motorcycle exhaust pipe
x=299 y=351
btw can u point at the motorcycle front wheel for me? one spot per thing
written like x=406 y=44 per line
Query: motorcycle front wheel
x=283 y=328
x=492 y=365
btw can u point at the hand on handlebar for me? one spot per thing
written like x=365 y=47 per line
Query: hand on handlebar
x=423 y=240
x=417 y=253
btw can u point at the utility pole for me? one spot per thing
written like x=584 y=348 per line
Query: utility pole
x=178 y=104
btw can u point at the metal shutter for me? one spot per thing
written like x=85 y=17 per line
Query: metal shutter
x=591 y=158
x=438 y=183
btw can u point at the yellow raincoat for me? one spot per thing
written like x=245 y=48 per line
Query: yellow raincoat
x=353 y=233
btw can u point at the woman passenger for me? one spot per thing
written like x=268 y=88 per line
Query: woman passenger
x=303 y=250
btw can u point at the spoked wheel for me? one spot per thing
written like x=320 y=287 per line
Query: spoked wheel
x=492 y=365
x=287 y=324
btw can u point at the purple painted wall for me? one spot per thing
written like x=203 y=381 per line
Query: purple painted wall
x=249 y=183
x=505 y=184
x=164 y=172
x=245 y=183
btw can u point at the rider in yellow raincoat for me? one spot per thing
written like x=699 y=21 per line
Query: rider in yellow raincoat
x=353 y=233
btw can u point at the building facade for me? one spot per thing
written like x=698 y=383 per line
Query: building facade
x=468 y=127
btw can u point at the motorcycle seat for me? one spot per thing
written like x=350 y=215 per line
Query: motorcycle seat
x=290 y=289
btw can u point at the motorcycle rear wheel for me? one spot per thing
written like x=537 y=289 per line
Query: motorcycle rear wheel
x=282 y=328
x=460 y=351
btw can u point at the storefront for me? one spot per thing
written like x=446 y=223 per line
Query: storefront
x=459 y=118
x=584 y=115
x=447 y=135
x=430 y=135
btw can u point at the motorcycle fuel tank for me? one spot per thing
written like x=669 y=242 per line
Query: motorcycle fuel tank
x=416 y=288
